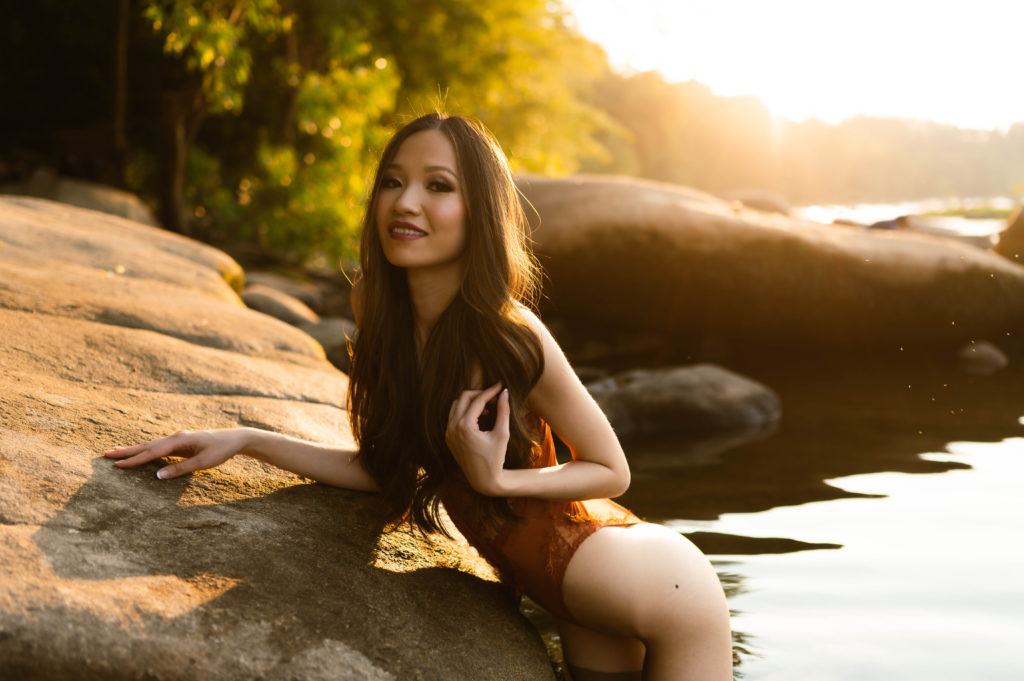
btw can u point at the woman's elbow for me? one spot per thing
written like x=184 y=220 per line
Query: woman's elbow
x=621 y=482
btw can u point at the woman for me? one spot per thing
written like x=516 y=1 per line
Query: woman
x=453 y=387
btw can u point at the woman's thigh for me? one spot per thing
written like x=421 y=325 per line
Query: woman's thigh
x=597 y=651
x=645 y=582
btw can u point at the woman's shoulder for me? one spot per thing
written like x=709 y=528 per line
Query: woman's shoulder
x=532 y=320
x=549 y=346
x=556 y=377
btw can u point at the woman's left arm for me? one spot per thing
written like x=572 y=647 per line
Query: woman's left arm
x=599 y=469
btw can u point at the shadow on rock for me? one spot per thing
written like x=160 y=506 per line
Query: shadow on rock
x=300 y=583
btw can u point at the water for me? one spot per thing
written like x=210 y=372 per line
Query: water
x=916 y=476
x=867 y=213
x=878 y=532
x=977 y=231
x=922 y=587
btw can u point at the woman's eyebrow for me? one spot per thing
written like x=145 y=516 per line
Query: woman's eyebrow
x=398 y=166
x=444 y=168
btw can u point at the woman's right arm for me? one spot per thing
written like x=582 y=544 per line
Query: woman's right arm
x=338 y=466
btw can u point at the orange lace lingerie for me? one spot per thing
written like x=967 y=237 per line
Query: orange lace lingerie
x=534 y=552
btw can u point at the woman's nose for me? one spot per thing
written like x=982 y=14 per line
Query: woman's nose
x=408 y=202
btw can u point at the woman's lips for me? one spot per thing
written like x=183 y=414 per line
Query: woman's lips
x=404 y=231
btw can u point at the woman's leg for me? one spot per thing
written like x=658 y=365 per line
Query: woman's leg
x=650 y=583
x=594 y=656
x=580 y=674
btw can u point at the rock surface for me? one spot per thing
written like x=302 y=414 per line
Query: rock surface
x=333 y=334
x=981 y=358
x=766 y=202
x=717 y=281
x=646 y=402
x=112 y=333
x=305 y=291
x=1011 y=239
x=46 y=184
x=278 y=305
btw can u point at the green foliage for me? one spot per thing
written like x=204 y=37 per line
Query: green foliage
x=307 y=196
x=283 y=106
x=323 y=82
x=209 y=36
x=205 y=189
x=514 y=64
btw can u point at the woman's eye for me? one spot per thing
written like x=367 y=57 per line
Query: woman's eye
x=440 y=186
x=390 y=183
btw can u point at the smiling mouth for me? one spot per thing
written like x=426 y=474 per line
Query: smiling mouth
x=404 y=230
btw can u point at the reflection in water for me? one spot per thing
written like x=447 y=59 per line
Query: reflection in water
x=834 y=424
x=925 y=586
x=911 y=589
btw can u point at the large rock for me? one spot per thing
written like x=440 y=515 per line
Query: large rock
x=296 y=287
x=333 y=334
x=46 y=184
x=648 y=402
x=767 y=202
x=111 y=333
x=715 y=279
x=278 y=305
x=44 y=232
x=1011 y=239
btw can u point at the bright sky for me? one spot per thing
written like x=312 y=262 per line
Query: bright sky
x=954 y=61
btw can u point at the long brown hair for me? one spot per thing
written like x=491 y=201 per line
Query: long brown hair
x=399 y=403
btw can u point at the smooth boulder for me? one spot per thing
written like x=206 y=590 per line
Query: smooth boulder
x=1011 y=239
x=334 y=335
x=278 y=305
x=650 y=402
x=981 y=358
x=113 y=333
x=717 y=280
x=44 y=183
x=305 y=291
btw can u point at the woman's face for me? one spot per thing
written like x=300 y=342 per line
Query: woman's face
x=419 y=212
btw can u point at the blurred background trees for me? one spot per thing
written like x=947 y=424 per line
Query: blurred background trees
x=260 y=121
x=682 y=133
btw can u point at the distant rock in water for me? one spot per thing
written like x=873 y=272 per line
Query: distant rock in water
x=113 y=333
x=648 y=402
x=1011 y=239
x=716 y=283
x=981 y=358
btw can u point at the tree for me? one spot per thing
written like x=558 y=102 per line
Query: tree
x=296 y=95
x=211 y=38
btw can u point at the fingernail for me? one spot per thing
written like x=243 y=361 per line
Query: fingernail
x=162 y=474
x=504 y=393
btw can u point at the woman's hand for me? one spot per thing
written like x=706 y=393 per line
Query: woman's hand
x=480 y=454
x=200 y=449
